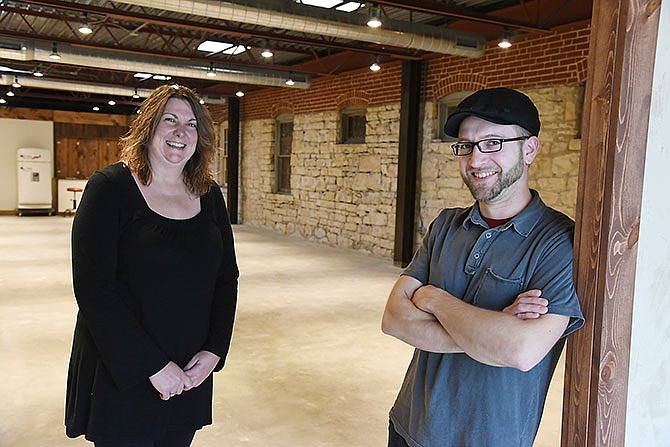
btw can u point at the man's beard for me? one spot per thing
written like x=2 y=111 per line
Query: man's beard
x=505 y=180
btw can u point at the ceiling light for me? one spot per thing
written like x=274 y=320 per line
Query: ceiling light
x=202 y=101
x=211 y=73
x=3 y=101
x=54 y=53
x=375 y=20
x=267 y=52
x=84 y=28
x=374 y=66
x=239 y=93
x=96 y=108
x=111 y=102
x=161 y=77
x=10 y=93
x=37 y=73
x=135 y=95
x=16 y=83
x=290 y=81
x=504 y=43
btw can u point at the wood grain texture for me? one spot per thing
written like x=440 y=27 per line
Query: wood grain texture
x=622 y=51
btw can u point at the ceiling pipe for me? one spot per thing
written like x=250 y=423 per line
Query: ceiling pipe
x=153 y=65
x=312 y=20
x=31 y=81
x=82 y=87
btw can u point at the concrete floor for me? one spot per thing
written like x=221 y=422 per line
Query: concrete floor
x=308 y=366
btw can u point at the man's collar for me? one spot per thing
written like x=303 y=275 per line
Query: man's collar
x=523 y=222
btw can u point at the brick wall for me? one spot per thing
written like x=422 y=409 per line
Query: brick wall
x=344 y=195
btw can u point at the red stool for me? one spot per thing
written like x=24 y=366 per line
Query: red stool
x=74 y=190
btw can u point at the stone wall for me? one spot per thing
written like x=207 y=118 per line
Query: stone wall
x=341 y=194
x=344 y=194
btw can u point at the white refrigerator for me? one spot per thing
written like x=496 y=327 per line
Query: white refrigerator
x=34 y=180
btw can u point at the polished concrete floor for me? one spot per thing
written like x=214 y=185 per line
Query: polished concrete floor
x=308 y=366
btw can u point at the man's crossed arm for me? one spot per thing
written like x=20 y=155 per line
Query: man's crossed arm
x=433 y=320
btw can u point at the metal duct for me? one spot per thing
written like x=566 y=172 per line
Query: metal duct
x=290 y=16
x=31 y=81
x=134 y=63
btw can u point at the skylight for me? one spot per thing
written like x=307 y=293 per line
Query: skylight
x=211 y=46
x=330 y=4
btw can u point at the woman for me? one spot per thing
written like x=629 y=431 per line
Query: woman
x=155 y=278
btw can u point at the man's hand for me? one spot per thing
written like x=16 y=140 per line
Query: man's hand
x=200 y=367
x=170 y=381
x=528 y=305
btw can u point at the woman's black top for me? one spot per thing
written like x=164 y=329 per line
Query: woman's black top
x=150 y=290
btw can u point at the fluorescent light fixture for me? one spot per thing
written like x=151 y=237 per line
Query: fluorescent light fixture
x=349 y=7
x=211 y=46
x=321 y=3
x=142 y=76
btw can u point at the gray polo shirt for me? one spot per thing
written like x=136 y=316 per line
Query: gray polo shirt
x=451 y=400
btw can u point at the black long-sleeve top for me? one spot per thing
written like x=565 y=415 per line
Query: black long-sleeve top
x=150 y=290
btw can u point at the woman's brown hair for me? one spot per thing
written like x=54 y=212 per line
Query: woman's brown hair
x=135 y=144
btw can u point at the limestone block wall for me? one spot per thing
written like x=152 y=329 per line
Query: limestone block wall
x=341 y=194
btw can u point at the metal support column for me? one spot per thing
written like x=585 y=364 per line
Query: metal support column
x=408 y=148
x=233 y=157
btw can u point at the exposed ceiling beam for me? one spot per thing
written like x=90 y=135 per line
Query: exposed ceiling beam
x=462 y=13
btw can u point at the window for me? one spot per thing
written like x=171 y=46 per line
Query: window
x=445 y=106
x=220 y=166
x=353 y=126
x=283 y=145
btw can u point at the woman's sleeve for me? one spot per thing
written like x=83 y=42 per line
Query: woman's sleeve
x=127 y=351
x=225 y=293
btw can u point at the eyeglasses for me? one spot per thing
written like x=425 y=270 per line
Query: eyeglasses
x=485 y=146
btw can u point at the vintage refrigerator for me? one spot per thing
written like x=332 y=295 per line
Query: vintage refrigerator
x=34 y=181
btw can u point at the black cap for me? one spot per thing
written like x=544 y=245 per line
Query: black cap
x=497 y=105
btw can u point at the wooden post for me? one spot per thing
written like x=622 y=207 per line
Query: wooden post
x=616 y=115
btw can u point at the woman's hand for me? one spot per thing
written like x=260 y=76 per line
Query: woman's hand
x=170 y=381
x=200 y=367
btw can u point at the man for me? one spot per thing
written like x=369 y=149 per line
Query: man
x=489 y=297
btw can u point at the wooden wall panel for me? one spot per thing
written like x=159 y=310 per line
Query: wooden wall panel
x=622 y=52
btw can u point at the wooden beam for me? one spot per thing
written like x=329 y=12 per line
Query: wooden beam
x=616 y=115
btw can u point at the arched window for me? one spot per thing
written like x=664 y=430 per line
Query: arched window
x=445 y=106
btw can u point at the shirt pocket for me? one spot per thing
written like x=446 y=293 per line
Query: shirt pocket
x=495 y=292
